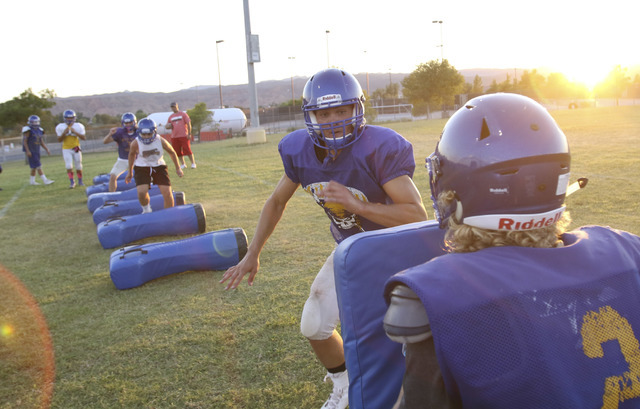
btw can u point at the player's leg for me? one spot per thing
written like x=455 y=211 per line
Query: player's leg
x=160 y=177
x=319 y=319
x=118 y=169
x=177 y=146
x=186 y=150
x=67 y=155
x=77 y=158
x=142 y=176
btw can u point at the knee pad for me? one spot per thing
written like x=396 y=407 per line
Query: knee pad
x=311 y=321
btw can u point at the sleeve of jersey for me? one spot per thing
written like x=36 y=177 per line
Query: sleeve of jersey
x=394 y=158
x=287 y=159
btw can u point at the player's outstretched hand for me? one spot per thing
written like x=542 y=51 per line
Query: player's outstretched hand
x=179 y=171
x=234 y=275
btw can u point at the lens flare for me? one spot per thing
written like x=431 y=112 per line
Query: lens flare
x=6 y=330
x=26 y=335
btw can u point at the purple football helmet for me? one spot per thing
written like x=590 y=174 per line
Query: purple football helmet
x=507 y=161
x=34 y=120
x=129 y=122
x=147 y=131
x=69 y=116
x=327 y=89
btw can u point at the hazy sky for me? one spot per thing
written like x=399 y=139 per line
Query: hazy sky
x=94 y=47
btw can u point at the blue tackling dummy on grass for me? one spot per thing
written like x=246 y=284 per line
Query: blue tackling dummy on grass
x=98 y=199
x=131 y=207
x=120 y=230
x=362 y=264
x=133 y=266
x=104 y=187
x=105 y=177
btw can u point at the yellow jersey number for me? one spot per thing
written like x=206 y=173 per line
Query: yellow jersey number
x=607 y=325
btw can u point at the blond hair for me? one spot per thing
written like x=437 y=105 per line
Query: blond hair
x=461 y=238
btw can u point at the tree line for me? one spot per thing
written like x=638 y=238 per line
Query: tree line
x=433 y=85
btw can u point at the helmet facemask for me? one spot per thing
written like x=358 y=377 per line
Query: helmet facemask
x=336 y=135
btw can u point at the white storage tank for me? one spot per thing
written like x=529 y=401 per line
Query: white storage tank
x=224 y=119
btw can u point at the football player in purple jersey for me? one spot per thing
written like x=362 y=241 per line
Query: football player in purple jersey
x=520 y=312
x=360 y=175
x=32 y=140
x=122 y=136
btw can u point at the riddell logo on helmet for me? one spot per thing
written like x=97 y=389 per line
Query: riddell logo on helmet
x=507 y=223
x=329 y=99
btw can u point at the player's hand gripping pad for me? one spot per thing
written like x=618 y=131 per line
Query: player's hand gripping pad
x=120 y=230
x=98 y=199
x=133 y=266
x=131 y=207
x=362 y=265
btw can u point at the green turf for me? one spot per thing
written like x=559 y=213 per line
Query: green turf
x=182 y=341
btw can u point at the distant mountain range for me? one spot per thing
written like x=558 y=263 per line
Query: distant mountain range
x=269 y=93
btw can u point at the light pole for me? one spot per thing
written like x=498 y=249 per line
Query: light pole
x=441 y=43
x=292 y=96
x=219 y=82
x=367 y=62
x=327 y=33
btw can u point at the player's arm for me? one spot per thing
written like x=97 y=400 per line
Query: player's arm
x=269 y=218
x=189 y=134
x=79 y=131
x=25 y=136
x=109 y=138
x=44 y=146
x=60 y=132
x=406 y=322
x=174 y=156
x=133 y=152
x=407 y=206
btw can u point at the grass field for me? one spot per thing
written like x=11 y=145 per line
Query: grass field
x=182 y=341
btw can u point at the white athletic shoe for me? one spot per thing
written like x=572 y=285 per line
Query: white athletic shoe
x=339 y=398
x=193 y=166
x=34 y=183
x=48 y=181
x=183 y=166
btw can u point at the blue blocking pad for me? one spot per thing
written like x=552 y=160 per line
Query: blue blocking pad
x=105 y=177
x=362 y=265
x=131 y=207
x=98 y=199
x=104 y=187
x=120 y=230
x=133 y=266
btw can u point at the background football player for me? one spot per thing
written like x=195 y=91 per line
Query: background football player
x=70 y=132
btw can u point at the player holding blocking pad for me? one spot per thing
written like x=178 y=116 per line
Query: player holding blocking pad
x=520 y=314
x=360 y=175
x=146 y=153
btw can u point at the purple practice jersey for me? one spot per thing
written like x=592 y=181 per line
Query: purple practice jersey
x=123 y=139
x=521 y=327
x=378 y=156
